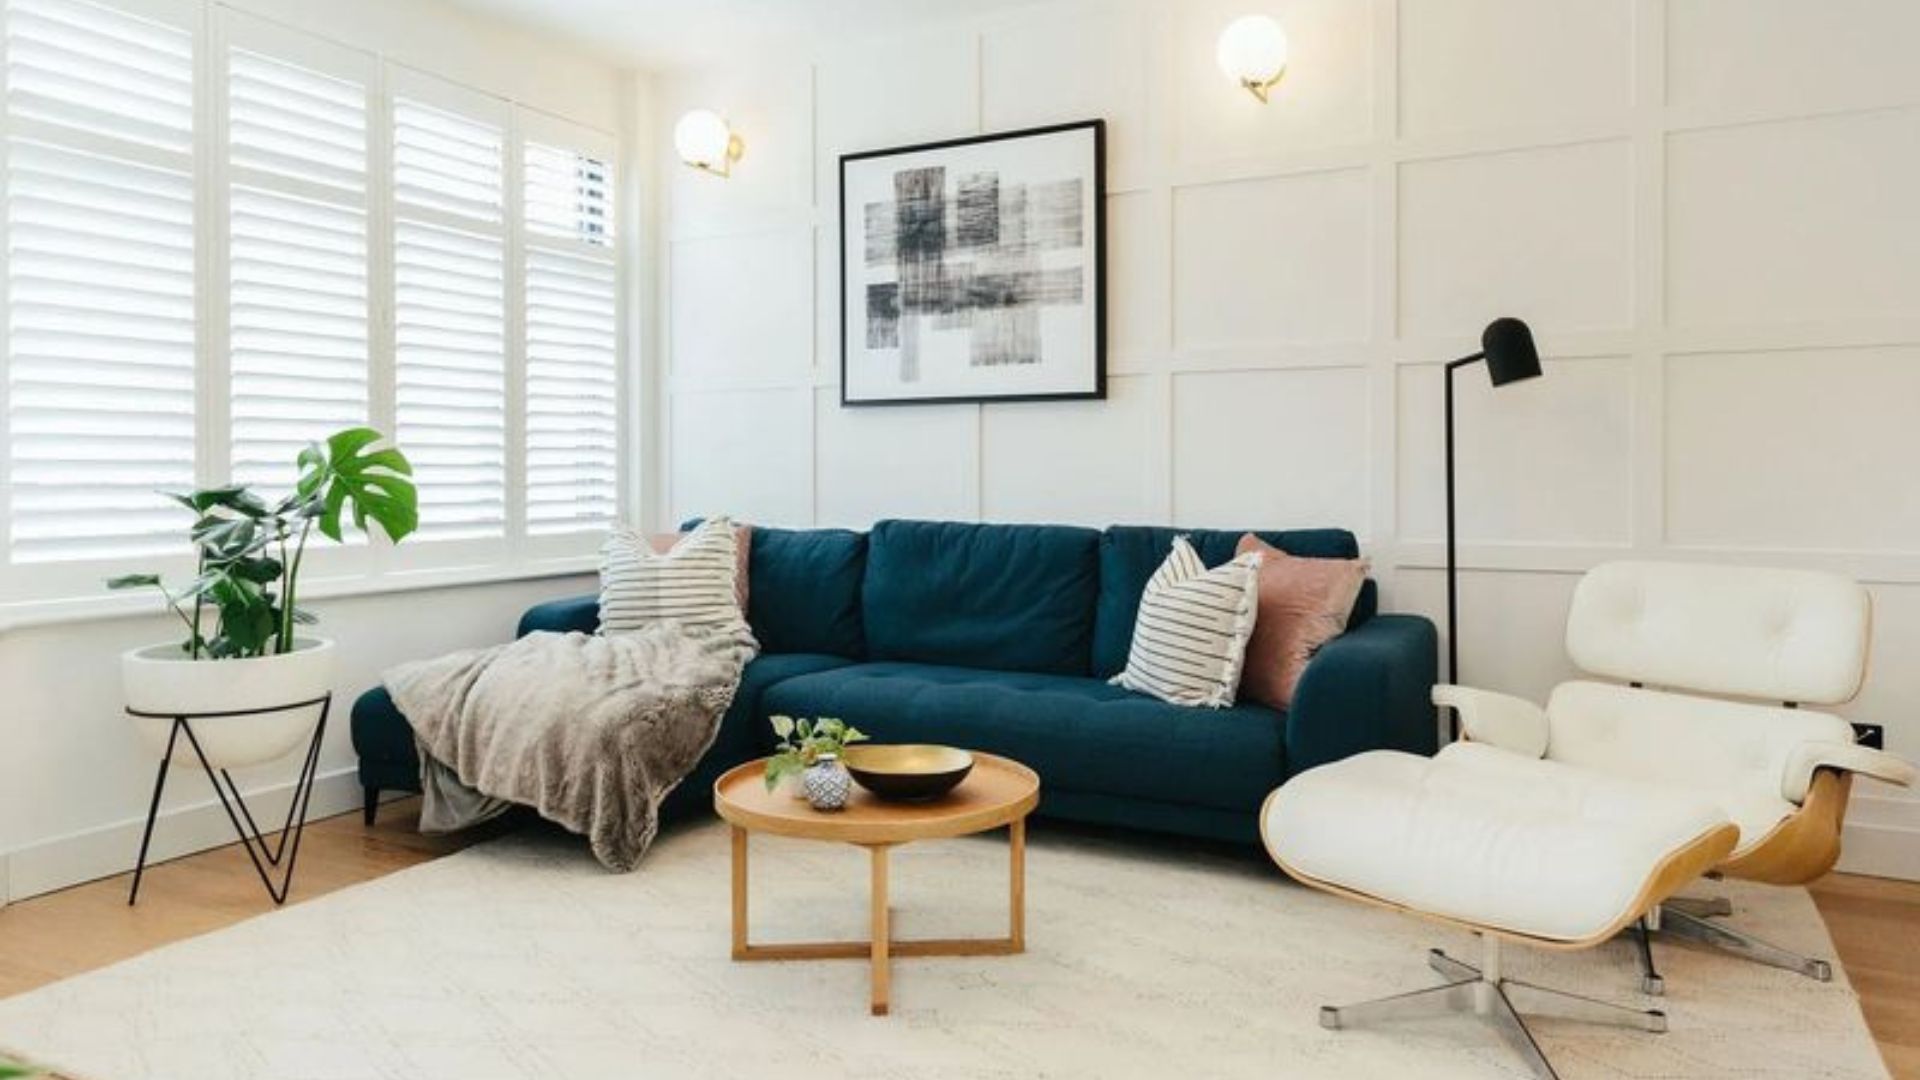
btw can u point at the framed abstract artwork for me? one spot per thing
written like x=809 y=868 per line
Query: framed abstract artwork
x=974 y=269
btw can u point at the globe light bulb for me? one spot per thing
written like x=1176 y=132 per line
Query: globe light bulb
x=1253 y=52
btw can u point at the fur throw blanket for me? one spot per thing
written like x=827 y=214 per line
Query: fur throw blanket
x=592 y=732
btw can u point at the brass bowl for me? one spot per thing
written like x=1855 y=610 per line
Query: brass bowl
x=908 y=772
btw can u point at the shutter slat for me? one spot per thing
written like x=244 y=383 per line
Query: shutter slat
x=100 y=278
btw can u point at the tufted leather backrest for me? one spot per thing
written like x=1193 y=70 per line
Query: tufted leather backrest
x=1779 y=635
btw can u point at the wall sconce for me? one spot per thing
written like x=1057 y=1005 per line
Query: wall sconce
x=705 y=142
x=1253 y=52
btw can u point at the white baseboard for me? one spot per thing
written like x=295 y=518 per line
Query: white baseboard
x=112 y=849
x=1882 y=838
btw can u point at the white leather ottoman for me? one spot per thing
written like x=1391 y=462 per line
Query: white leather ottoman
x=1507 y=846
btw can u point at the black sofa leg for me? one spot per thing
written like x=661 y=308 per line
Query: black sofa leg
x=371 y=806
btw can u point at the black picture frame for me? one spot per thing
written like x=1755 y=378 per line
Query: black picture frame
x=1098 y=258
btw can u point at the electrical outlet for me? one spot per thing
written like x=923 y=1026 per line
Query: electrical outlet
x=1872 y=736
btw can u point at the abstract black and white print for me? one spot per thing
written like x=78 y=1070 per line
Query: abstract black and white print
x=971 y=269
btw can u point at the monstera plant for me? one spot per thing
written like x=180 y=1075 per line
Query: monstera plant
x=241 y=607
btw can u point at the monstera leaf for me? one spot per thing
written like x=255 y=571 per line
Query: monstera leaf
x=347 y=470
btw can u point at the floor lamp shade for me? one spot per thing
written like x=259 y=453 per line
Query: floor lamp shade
x=1511 y=356
x=1507 y=347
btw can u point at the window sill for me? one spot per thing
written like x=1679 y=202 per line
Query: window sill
x=33 y=613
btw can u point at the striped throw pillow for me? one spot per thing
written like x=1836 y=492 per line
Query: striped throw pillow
x=1191 y=635
x=691 y=584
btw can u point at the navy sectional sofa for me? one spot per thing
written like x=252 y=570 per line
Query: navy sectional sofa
x=1002 y=638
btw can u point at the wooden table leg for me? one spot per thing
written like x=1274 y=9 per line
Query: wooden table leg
x=1017 y=886
x=739 y=893
x=881 y=931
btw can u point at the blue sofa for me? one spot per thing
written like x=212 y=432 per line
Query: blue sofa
x=1002 y=638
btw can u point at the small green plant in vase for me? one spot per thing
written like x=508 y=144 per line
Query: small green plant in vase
x=802 y=743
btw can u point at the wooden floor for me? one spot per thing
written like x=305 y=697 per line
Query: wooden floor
x=1875 y=923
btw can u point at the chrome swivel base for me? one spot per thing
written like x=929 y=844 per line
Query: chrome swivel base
x=1687 y=918
x=1497 y=999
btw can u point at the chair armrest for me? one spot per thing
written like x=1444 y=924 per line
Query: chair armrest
x=1510 y=723
x=1810 y=757
x=574 y=614
x=1365 y=690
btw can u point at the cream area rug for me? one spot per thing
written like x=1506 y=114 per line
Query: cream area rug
x=522 y=958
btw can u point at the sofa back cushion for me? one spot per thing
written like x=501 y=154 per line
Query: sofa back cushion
x=1129 y=554
x=999 y=597
x=804 y=590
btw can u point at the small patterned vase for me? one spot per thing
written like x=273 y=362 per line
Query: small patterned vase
x=828 y=784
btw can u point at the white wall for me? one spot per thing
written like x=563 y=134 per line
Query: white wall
x=1709 y=210
x=73 y=783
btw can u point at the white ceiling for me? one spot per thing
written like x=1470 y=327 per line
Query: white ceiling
x=678 y=33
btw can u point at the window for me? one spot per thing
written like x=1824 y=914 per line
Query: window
x=99 y=281
x=296 y=261
x=572 y=459
x=345 y=242
x=449 y=273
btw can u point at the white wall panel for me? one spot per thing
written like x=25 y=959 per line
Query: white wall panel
x=1795 y=449
x=742 y=306
x=746 y=453
x=1548 y=460
x=1544 y=234
x=1239 y=271
x=1271 y=449
x=1325 y=100
x=1790 y=56
x=873 y=95
x=1512 y=626
x=1079 y=62
x=1798 y=220
x=905 y=462
x=1487 y=64
x=1139 y=238
x=1077 y=462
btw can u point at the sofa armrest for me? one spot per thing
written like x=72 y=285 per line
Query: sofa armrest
x=1366 y=690
x=1810 y=757
x=575 y=613
x=1501 y=720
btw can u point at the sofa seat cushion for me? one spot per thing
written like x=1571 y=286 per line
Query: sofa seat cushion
x=995 y=597
x=1080 y=734
x=1129 y=554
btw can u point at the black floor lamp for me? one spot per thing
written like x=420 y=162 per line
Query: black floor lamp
x=1507 y=347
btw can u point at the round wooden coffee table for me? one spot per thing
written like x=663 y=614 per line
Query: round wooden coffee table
x=997 y=793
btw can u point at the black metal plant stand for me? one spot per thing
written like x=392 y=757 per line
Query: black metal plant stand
x=250 y=836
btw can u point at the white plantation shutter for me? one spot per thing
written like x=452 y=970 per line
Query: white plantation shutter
x=572 y=426
x=297 y=261
x=569 y=195
x=90 y=68
x=572 y=454
x=100 y=280
x=450 y=357
x=450 y=370
x=446 y=162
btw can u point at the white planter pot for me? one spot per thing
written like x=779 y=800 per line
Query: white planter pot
x=161 y=679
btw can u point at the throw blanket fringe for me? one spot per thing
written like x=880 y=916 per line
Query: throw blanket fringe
x=592 y=732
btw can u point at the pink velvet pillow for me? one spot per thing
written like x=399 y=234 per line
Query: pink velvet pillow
x=1304 y=603
x=662 y=543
